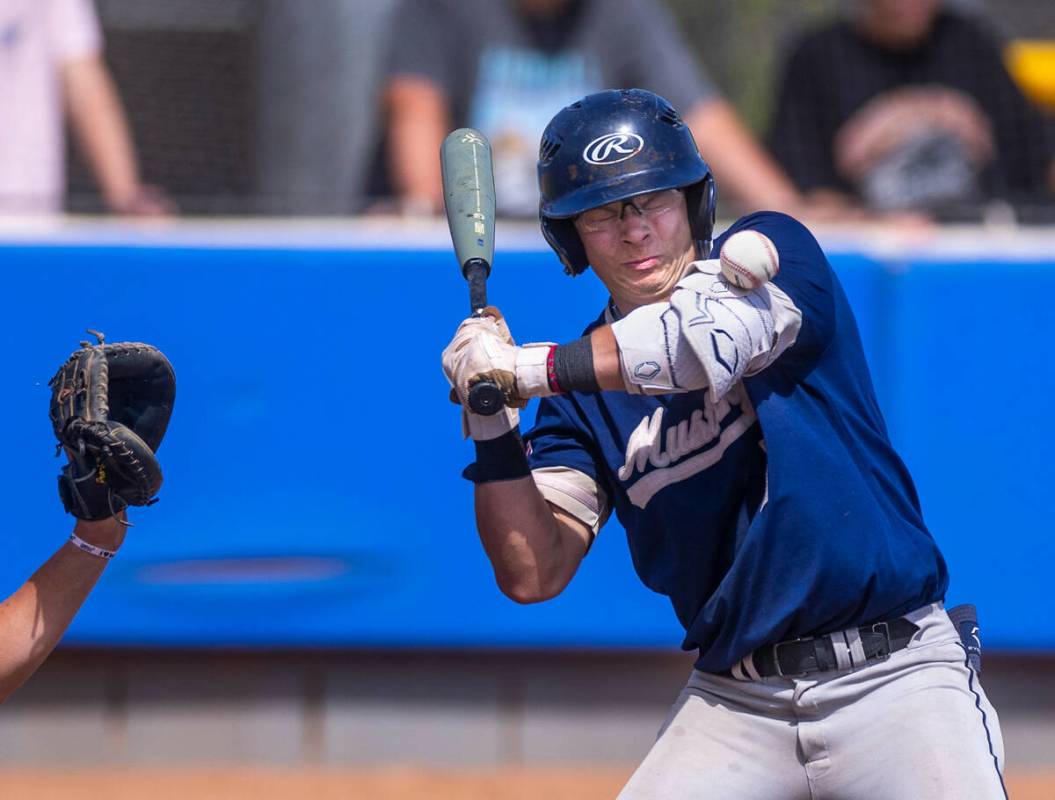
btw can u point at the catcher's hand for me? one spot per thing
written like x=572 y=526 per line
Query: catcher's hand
x=110 y=406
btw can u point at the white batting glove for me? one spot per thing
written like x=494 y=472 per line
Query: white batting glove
x=483 y=350
x=482 y=427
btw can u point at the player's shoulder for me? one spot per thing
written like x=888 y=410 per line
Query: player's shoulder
x=805 y=274
x=786 y=232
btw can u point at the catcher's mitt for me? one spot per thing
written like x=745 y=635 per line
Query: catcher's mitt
x=110 y=406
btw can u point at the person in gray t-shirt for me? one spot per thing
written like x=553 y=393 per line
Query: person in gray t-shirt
x=506 y=67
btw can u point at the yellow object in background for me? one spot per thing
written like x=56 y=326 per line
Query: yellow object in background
x=1032 y=65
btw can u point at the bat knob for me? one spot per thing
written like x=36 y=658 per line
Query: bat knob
x=486 y=398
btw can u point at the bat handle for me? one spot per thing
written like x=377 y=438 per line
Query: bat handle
x=476 y=271
x=484 y=397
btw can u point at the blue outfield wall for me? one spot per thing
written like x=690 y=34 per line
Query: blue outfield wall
x=312 y=493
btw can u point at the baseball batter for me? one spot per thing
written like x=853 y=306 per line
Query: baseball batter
x=736 y=435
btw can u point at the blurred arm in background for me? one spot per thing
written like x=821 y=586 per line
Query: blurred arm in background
x=98 y=121
x=35 y=617
x=741 y=165
x=418 y=120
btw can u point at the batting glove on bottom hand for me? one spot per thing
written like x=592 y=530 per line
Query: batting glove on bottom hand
x=483 y=350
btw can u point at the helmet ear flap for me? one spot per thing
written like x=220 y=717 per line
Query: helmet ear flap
x=701 y=200
x=565 y=241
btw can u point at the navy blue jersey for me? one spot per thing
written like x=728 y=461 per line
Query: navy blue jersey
x=780 y=511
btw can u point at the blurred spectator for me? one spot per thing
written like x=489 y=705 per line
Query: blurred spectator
x=506 y=67
x=907 y=106
x=50 y=61
x=313 y=141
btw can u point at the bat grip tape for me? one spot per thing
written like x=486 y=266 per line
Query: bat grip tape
x=475 y=271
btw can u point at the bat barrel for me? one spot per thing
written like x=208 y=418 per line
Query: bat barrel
x=469 y=195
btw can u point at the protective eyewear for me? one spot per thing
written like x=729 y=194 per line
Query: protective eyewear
x=648 y=206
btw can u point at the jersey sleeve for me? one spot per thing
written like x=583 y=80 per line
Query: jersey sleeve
x=805 y=276
x=564 y=465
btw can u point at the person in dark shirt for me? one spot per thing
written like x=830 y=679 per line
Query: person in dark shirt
x=908 y=106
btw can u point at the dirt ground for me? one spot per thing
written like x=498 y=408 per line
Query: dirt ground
x=355 y=784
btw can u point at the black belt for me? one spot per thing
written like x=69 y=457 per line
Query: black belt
x=818 y=653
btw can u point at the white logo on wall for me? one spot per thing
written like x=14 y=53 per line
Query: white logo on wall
x=613 y=148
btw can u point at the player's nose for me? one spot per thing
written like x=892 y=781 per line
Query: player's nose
x=635 y=228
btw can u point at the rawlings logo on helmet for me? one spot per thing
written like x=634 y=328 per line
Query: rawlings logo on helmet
x=613 y=148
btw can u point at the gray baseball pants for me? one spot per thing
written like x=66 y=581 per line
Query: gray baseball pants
x=915 y=726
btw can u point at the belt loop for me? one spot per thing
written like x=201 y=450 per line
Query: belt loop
x=737 y=670
x=857 y=650
x=841 y=648
x=750 y=668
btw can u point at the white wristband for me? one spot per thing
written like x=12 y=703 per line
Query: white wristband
x=532 y=370
x=99 y=552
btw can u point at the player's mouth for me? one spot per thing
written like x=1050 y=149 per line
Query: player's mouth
x=648 y=262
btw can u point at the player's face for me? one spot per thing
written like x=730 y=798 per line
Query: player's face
x=640 y=248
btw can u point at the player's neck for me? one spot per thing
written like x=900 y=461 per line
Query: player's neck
x=621 y=306
x=624 y=302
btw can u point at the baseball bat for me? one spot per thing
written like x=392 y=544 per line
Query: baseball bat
x=469 y=197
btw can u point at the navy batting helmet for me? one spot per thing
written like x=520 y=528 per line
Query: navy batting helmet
x=614 y=145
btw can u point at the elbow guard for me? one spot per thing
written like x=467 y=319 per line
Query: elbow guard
x=710 y=335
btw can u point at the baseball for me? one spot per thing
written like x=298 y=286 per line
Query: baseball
x=749 y=259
